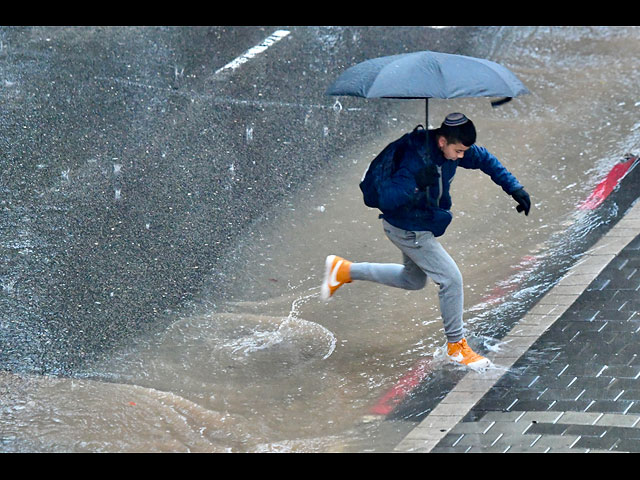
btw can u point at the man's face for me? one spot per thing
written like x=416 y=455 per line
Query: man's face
x=451 y=151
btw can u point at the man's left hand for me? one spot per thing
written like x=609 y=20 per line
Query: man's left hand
x=524 y=202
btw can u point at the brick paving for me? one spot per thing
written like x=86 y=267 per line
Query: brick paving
x=569 y=377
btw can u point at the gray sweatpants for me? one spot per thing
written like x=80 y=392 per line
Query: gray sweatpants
x=423 y=257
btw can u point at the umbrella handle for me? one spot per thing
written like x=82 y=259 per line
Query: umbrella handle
x=426 y=112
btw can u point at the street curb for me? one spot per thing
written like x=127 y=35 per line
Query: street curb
x=474 y=385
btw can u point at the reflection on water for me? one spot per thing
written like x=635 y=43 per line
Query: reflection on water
x=274 y=369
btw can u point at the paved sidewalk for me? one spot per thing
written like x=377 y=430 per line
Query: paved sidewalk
x=568 y=376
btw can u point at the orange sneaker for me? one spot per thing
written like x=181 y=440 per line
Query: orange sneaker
x=336 y=274
x=461 y=353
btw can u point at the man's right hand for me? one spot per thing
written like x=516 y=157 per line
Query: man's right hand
x=427 y=177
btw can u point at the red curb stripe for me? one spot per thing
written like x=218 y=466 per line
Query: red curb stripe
x=403 y=387
x=606 y=186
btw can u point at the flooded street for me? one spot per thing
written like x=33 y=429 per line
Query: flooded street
x=258 y=363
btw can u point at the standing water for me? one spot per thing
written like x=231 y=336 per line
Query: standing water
x=271 y=368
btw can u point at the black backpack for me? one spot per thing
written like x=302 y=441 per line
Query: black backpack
x=382 y=167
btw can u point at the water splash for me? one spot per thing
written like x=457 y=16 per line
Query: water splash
x=295 y=312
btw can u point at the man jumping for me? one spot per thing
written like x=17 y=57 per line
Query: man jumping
x=415 y=204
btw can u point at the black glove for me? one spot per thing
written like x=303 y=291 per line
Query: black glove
x=427 y=177
x=524 y=202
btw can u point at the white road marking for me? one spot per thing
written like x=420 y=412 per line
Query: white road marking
x=253 y=51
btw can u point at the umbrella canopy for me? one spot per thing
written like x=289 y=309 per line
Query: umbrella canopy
x=427 y=75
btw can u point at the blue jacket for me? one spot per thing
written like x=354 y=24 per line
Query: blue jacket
x=405 y=207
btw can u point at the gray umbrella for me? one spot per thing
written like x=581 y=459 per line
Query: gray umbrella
x=428 y=75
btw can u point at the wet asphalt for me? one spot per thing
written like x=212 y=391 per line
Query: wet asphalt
x=131 y=166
